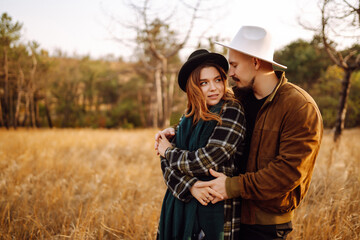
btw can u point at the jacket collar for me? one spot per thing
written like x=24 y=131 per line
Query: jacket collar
x=282 y=80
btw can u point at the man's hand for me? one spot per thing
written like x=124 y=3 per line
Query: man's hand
x=204 y=194
x=217 y=184
x=168 y=132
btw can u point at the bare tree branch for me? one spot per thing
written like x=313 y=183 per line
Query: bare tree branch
x=157 y=44
x=352 y=53
x=336 y=19
x=192 y=22
x=324 y=21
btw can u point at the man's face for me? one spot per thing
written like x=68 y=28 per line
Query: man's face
x=242 y=69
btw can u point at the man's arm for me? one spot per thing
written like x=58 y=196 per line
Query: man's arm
x=221 y=146
x=299 y=145
x=295 y=162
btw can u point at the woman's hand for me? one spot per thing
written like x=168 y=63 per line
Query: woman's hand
x=204 y=194
x=168 y=132
x=162 y=144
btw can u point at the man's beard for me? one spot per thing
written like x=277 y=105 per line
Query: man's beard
x=246 y=88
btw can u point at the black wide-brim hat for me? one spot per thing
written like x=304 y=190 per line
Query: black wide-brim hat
x=197 y=58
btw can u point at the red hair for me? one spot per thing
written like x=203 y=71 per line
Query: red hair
x=197 y=106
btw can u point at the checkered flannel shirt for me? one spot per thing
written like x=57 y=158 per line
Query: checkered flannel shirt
x=222 y=153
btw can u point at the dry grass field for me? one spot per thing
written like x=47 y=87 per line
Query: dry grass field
x=107 y=184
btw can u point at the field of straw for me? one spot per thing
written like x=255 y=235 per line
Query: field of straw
x=107 y=184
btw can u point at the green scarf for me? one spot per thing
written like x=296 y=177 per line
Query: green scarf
x=180 y=220
x=192 y=137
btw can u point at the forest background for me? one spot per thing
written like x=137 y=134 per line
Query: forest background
x=42 y=90
x=64 y=175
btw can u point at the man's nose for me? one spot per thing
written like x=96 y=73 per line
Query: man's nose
x=231 y=71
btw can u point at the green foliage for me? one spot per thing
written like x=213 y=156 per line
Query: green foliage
x=310 y=67
x=175 y=117
x=9 y=31
x=326 y=93
x=124 y=115
x=353 y=113
x=106 y=93
x=305 y=61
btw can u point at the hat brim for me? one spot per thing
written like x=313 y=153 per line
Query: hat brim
x=194 y=62
x=266 y=60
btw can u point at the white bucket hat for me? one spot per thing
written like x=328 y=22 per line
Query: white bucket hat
x=256 y=42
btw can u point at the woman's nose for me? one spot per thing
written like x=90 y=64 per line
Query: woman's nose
x=212 y=86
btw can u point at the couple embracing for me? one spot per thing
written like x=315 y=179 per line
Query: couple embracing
x=240 y=160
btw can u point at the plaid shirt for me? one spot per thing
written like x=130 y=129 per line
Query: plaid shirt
x=222 y=153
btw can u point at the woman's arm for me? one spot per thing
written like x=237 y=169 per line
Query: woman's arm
x=222 y=144
x=178 y=183
x=184 y=188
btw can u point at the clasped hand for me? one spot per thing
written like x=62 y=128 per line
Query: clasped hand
x=210 y=191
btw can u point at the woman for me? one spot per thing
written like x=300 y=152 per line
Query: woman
x=209 y=136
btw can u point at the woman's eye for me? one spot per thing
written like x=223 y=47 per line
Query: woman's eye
x=203 y=83
x=218 y=80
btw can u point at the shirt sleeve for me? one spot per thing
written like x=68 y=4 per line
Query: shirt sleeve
x=178 y=183
x=221 y=146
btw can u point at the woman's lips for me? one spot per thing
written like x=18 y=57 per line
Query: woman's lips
x=214 y=96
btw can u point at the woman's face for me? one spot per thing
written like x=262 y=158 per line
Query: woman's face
x=212 y=85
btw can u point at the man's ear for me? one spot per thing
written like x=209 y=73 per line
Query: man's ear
x=256 y=63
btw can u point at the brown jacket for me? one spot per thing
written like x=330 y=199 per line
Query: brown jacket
x=284 y=145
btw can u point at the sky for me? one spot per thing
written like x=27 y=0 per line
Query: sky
x=88 y=27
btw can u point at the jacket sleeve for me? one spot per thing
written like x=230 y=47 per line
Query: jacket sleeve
x=298 y=147
x=221 y=146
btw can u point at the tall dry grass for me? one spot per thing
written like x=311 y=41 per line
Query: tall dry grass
x=79 y=184
x=100 y=184
x=331 y=209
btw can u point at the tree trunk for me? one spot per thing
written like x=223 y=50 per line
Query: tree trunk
x=36 y=112
x=340 y=119
x=159 y=102
x=32 y=110
x=96 y=101
x=170 y=99
x=140 y=108
x=1 y=113
x=31 y=90
x=20 y=92
x=47 y=112
x=154 y=116
x=18 y=101
x=27 y=109
x=11 y=107
x=6 y=88
x=165 y=89
x=83 y=104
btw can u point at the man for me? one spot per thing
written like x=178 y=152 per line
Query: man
x=284 y=131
